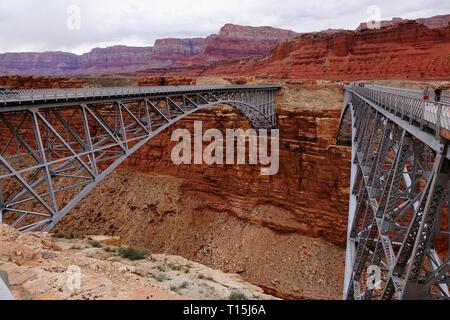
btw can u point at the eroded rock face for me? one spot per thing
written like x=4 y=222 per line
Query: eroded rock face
x=435 y=22
x=36 y=82
x=173 y=48
x=308 y=196
x=166 y=215
x=116 y=56
x=232 y=42
x=30 y=63
x=408 y=50
x=165 y=81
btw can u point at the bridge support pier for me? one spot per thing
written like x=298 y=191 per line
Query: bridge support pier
x=398 y=235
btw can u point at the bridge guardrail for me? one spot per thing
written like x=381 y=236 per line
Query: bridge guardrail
x=435 y=115
x=85 y=93
x=445 y=98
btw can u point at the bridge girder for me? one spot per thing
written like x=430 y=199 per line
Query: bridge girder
x=398 y=217
x=53 y=153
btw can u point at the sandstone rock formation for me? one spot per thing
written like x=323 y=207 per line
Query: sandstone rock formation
x=114 y=57
x=435 y=22
x=33 y=63
x=165 y=81
x=40 y=82
x=235 y=41
x=404 y=51
x=232 y=42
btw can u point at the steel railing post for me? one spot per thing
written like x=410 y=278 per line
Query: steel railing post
x=438 y=120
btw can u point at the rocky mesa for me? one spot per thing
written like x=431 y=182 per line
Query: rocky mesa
x=406 y=50
x=233 y=41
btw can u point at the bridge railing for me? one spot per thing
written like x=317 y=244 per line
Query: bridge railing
x=87 y=93
x=445 y=98
x=431 y=114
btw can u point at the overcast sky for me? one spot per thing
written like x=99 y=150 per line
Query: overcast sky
x=80 y=25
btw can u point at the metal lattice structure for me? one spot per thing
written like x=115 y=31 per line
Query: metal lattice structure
x=399 y=228
x=57 y=145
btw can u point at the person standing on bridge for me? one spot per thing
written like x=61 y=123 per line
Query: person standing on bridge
x=426 y=94
x=438 y=94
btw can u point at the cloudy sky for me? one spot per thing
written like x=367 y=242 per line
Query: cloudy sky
x=80 y=25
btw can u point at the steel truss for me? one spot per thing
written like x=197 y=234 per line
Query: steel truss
x=54 y=152
x=398 y=220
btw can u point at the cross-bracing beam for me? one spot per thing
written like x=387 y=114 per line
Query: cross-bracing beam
x=398 y=245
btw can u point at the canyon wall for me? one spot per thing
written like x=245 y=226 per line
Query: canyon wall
x=435 y=22
x=35 y=63
x=116 y=56
x=234 y=41
x=308 y=196
x=407 y=50
x=285 y=232
x=40 y=82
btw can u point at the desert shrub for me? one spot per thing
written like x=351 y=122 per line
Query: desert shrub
x=133 y=253
x=95 y=243
x=237 y=295
x=175 y=267
x=160 y=277
x=63 y=235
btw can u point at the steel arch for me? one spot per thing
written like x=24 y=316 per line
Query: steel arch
x=54 y=152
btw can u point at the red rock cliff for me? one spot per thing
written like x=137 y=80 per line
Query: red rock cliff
x=116 y=56
x=35 y=82
x=236 y=41
x=30 y=63
x=405 y=51
x=308 y=196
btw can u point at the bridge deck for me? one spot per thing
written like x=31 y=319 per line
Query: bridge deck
x=429 y=121
x=39 y=96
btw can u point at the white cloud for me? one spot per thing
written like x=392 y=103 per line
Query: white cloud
x=29 y=25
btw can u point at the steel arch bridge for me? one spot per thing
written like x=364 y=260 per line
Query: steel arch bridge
x=399 y=229
x=57 y=145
